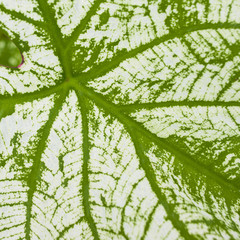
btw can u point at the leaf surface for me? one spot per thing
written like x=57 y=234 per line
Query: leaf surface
x=123 y=122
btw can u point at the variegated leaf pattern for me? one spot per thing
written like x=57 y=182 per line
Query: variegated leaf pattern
x=123 y=122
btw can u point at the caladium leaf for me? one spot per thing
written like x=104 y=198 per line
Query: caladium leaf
x=124 y=120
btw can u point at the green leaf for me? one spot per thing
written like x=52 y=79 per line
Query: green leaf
x=123 y=122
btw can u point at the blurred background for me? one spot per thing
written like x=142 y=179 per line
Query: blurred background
x=10 y=55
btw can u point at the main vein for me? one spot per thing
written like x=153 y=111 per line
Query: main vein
x=20 y=98
x=131 y=123
x=56 y=36
x=137 y=106
x=21 y=16
x=150 y=175
x=35 y=173
x=85 y=170
x=108 y=65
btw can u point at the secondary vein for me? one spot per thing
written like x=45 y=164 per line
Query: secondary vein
x=82 y=25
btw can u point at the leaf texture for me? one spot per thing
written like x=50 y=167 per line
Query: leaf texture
x=123 y=122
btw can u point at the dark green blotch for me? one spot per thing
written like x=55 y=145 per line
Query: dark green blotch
x=104 y=18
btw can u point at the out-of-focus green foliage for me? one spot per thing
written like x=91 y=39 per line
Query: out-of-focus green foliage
x=9 y=53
